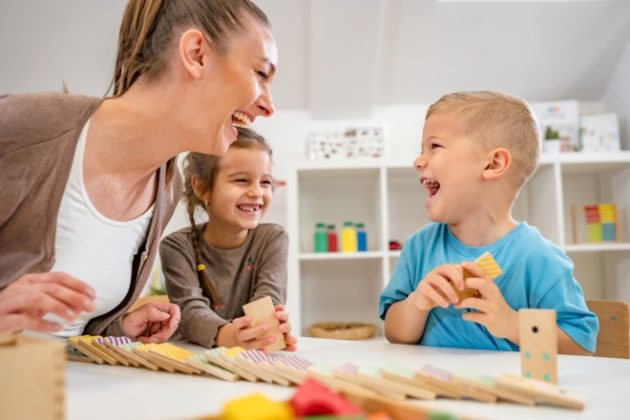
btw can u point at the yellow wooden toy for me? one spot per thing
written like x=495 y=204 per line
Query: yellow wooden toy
x=256 y=407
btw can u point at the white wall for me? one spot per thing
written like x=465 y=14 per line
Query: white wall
x=616 y=98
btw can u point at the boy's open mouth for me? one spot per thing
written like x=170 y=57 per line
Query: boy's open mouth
x=240 y=119
x=431 y=186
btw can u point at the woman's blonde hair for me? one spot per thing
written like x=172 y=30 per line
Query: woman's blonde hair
x=150 y=28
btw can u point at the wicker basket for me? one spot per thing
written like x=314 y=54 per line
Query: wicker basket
x=342 y=330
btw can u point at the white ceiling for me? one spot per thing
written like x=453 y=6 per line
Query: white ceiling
x=341 y=57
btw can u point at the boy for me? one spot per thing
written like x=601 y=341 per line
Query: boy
x=478 y=150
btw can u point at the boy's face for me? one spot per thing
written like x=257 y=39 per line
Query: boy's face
x=450 y=168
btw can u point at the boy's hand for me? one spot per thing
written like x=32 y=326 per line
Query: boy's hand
x=436 y=289
x=285 y=328
x=493 y=311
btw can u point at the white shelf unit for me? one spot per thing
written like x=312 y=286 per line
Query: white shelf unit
x=386 y=196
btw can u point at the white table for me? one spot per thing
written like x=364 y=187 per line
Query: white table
x=105 y=392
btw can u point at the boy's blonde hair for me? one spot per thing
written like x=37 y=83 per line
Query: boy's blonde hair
x=496 y=119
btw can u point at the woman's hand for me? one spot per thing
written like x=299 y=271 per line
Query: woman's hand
x=152 y=322
x=493 y=312
x=285 y=328
x=26 y=301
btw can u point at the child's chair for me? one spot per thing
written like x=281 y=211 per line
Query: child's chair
x=613 y=339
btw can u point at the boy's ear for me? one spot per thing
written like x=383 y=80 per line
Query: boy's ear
x=193 y=49
x=498 y=162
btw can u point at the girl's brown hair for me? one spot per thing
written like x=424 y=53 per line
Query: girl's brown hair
x=204 y=168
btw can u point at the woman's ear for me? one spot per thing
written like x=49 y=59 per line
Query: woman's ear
x=193 y=50
x=499 y=160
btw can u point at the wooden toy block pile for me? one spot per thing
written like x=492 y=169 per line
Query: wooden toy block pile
x=391 y=383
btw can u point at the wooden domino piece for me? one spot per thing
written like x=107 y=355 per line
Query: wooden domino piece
x=86 y=350
x=538 y=342
x=200 y=362
x=127 y=350
x=86 y=342
x=487 y=384
x=172 y=355
x=542 y=392
x=74 y=355
x=262 y=360
x=373 y=378
x=262 y=311
x=99 y=343
x=214 y=356
x=488 y=264
x=230 y=355
x=409 y=377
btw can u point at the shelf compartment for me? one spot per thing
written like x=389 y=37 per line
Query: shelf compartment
x=336 y=195
x=340 y=291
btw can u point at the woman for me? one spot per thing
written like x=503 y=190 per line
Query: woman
x=89 y=184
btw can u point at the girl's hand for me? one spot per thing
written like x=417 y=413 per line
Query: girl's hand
x=493 y=311
x=285 y=328
x=244 y=335
x=436 y=289
x=27 y=300
x=152 y=322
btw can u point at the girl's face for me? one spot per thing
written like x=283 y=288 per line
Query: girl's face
x=241 y=191
x=235 y=90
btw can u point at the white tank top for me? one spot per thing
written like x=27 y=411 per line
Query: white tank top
x=93 y=248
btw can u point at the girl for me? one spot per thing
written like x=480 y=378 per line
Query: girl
x=213 y=269
x=88 y=184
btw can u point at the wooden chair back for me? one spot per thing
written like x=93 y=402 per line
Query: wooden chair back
x=613 y=339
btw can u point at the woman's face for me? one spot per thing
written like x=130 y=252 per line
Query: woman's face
x=236 y=87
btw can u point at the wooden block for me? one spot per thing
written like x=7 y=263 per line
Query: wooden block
x=262 y=360
x=153 y=358
x=99 y=343
x=33 y=372
x=199 y=362
x=262 y=311
x=612 y=339
x=408 y=376
x=489 y=266
x=373 y=378
x=446 y=380
x=8 y=338
x=75 y=355
x=86 y=350
x=439 y=380
x=487 y=384
x=231 y=354
x=85 y=343
x=214 y=356
x=542 y=392
x=176 y=364
x=538 y=336
x=291 y=367
x=127 y=350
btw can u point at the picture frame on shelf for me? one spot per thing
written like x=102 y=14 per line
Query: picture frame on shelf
x=558 y=123
x=599 y=133
x=348 y=142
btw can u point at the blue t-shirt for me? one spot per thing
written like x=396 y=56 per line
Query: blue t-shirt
x=536 y=274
